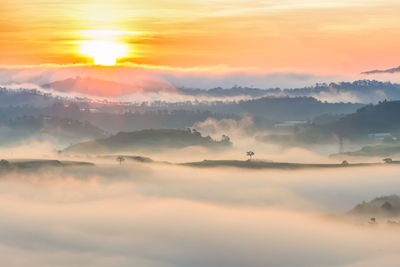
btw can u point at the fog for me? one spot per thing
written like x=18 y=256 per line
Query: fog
x=197 y=77
x=204 y=77
x=162 y=215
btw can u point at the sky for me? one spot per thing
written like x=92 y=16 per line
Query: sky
x=323 y=37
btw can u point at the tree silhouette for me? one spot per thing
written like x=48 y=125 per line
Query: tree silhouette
x=250 y=154
x=388 y=160
x=120 y=159
x=225 y=139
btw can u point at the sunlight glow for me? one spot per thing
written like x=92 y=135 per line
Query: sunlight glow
x=104 y=52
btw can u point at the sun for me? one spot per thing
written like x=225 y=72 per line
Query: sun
x=104 y=52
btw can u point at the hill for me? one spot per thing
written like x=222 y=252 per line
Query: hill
x=361 y=91
x=386 y=206
x=294 y=108
x=148 y=140
x=26 y=97
x=36 y=164
x=359 y=126
x=256 y=164
x=381 y=118
x=383 y=150
x=285 y=108
x=103 y=88
x=64 y=131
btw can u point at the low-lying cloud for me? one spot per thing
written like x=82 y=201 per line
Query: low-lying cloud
x=146 y=76
x=131 y=82
x=160 y=215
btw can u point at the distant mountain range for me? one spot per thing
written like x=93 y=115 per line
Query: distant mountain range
x=350 y=120
x=362 y=91
x=35 y=113
x=157 y=140
x=103 y=88
x=126 y=116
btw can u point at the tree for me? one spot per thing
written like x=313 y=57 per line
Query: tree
x=120 y=159
x=250 y=154
x=4 y=164
x=225 y=139
x=388 y=160
x=195 y=132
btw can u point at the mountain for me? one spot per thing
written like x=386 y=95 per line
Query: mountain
x=381 y=118
x=59 y=130
x=365 y=126
x=130 y=116
x=392 y=70
x=26 y=97
x=366 y=122
x=148 y=140
x=289 y=108
x=361 y=91
x=229 y=92
x=102 y=88
x=386 y=206
x=115 y=116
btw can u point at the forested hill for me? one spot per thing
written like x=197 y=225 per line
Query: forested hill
x=381 y=118
x=148 y=140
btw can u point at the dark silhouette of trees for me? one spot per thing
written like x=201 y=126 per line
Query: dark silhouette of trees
x=4 y=164
x=388 y=160
x=250 y=154
x=120 y=159
x=225 y=139
x=387 y=206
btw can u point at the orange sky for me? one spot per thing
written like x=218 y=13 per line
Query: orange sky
x=303 y=35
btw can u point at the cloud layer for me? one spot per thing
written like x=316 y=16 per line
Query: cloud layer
x=137 y=215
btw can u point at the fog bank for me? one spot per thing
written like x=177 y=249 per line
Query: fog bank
x=158 y=215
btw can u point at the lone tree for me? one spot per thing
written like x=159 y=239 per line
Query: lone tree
x=120 y=159
x=388 y=160
x=250 y=154
x=4 y=164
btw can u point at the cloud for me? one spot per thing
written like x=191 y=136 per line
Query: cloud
x=176 y=216
x=216 y=128
x=334 y=96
